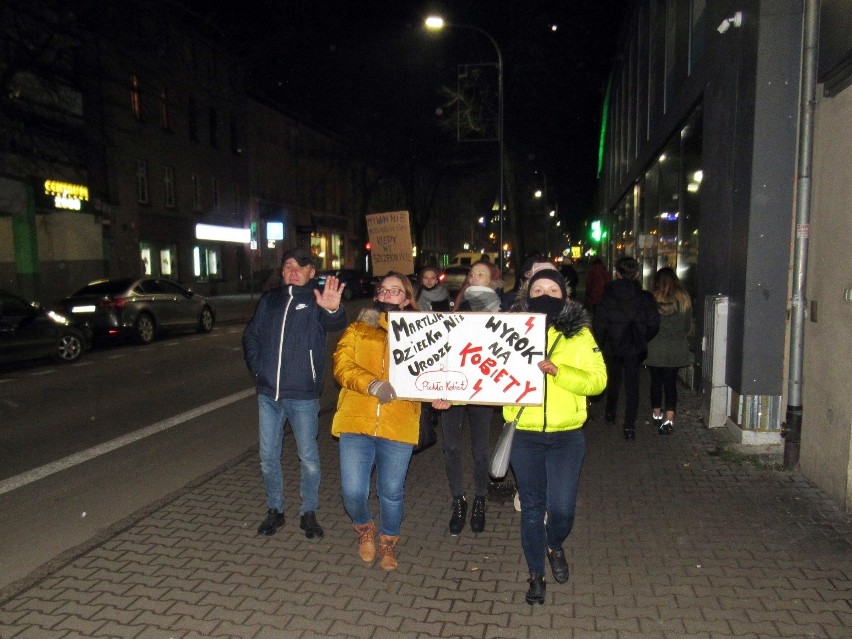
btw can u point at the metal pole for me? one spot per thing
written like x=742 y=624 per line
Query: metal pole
x=793 y=426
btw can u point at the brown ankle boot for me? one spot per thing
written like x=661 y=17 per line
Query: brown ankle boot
x=366 y=541
x=387 y=548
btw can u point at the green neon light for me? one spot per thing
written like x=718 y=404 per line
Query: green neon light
x=604 y=122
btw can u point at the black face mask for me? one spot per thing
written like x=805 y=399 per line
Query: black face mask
x=550 y=306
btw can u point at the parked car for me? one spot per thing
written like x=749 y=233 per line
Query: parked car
x=139 y=308
x=453 y=278
x=28 y=331
x=358 y=283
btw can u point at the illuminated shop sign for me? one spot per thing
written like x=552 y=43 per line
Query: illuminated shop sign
x=222 y=233
x=66 y=196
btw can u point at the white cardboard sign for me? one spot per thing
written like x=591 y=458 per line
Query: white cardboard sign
x=474 y=358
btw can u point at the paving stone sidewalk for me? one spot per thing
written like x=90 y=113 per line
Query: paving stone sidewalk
x=672 y=540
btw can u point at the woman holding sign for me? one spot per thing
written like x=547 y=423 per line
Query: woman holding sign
x=479 y=295
x=376 y=429
x=549 y=444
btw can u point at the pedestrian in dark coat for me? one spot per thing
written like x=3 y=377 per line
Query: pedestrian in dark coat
x=669 y=350
x=625 y=311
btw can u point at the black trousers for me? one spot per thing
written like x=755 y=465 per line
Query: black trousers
x=623 y=369
x=663 y=381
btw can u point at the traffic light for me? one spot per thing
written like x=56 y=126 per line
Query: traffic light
x=368 y=246
x=597 y=232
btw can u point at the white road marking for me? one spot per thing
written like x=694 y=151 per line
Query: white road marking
x=8 y=485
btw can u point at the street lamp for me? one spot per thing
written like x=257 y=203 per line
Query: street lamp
x=436 y=23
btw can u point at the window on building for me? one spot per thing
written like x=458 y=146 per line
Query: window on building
x=192 y=119
x=696 y=35
x=136 y=97
x=207 y=262
x=214 y=193
x=165 y=116
x=158 y=259
x=213 y=118
x=196 y=193
x=142 y=181
x=169 y=184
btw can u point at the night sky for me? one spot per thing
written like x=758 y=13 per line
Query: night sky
x=350 y=64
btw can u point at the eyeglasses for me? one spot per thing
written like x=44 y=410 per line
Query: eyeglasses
x=393 y=291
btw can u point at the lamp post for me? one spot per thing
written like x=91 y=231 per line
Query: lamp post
x=436 y=23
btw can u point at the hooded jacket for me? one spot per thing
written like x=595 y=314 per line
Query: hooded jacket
x=285 y=342
x=581 y=372
x=361 y=357
x=623 y=300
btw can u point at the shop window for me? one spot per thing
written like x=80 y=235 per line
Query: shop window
x=207 y=262
x=158 y=260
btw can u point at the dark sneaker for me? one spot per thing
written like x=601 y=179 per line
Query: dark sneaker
x=274 y=520
x=477 y=515
x=666 y=427
x=535 y=595
x=308 y=523
x=558 y=565
x=459 y=515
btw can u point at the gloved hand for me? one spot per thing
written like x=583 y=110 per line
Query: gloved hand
x=383 y=390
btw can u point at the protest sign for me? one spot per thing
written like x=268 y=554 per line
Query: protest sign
x=390 y=235
x=477 y=358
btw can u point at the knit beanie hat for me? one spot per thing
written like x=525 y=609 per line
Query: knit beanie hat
x=549 y=274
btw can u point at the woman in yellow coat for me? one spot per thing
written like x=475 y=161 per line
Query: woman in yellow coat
x=376 y=429
x=549 y=445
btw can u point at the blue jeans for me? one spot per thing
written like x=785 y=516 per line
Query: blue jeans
x=359 y=454
x=303 y=415
x=547 y=470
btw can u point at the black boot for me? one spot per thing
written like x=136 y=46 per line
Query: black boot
x=477 y=515
x=459 y=514
x=535 y=595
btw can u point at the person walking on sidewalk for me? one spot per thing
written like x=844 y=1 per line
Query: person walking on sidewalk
x=669 y=349
x=285 y=348
x=549 y=445
x=478 y=295
x=376 y=430
x=625 y=320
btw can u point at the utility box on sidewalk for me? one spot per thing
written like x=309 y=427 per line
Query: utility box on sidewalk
x=714 y=345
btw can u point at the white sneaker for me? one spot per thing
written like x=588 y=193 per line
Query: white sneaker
x=517 y=501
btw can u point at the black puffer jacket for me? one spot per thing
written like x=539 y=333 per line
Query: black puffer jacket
x=622 y=301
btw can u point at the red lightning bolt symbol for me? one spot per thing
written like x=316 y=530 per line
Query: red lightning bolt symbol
x=477 y=387
x=530 y=322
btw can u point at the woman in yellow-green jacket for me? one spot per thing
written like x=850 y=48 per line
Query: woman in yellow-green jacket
x=549 y=445
x=376 y=429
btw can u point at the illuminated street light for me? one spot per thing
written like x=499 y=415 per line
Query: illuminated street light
x=436 y=23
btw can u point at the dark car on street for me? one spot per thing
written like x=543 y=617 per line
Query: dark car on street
x=139 y=308
x=358 y=283
x=28 y=331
